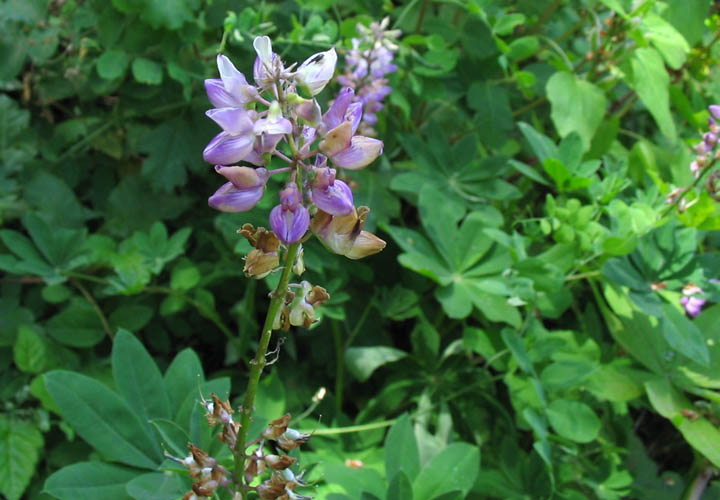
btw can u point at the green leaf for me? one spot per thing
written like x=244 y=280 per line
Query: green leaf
x=103 y=419
x=184 y=276
x=131 y=317
x=170 y=14
x=90 y=481
x=574 y=420
x=666 y=39
x=493 y=113
x=157 y=486
x=688 y=18
x=270 y=401
x=112 y=64
x=354 y=481
x=363 y=361
x=683 y=335
x=400 y=487
x=670 y=403
x=13 y=122
x=402 y=455
x=147 y=71
x=651 y=81
x=541 y=145
x=454 y=468
x=20 y=443
x=30 y=350
x=138 y=378
x=174 y=436
x=514 y=342
x=565 y=374
x=77 y=325
x=576 y=106
x=171 y=153
x=184 y=376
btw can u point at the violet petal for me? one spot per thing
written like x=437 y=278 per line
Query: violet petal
x=231 y=199
x=226 y=149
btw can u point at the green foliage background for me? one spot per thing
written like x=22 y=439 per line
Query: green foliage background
x=521 y=335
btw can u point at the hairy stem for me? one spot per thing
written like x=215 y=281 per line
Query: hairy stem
x=257 y=365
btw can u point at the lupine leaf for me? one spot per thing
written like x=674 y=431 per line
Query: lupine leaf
x=19 y=445
x=90 y=481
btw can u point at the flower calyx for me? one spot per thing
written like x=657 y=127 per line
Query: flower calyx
x=264 y=258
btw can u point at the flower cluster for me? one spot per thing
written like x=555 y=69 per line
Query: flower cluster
x=368 y=62
x=271 y=119
x=209 y=475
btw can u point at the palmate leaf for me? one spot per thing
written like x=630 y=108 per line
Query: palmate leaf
x=90 y=481
x=462 y=259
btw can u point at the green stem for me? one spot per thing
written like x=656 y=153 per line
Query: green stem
x=96 y=307
x=257 y=365
x=352 y=428
x=697 y=181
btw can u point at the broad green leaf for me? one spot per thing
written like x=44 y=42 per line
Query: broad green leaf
x=688 y=18
x=170 y=14
x=184 y=276
x=183 y=377
x=174 y=436
x=11 y=317
x=170 y=153
x=157 y=486
x=576 y=106
x=400 y=487
x=55 y=202
x=30 y=350
x=103 y=419
x=514 y=342
x=454 y=468
x=401 y=451
x=138 y=378
x=683 y=335
x=20 y=443
x=666 y=39
x=651 y=81
x=90 y=481
x=270 y=401
x=13 y=122
x=363 y=361
x=699 y=433
x=541 y=145
x=78 y=325
x=493 y=116
x=355 y=481
x=112 y=64
x=147 y=71
x=574 y=420
x=565 y=374
x=131 y=317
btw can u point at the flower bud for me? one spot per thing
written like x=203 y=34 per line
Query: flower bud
x=337 y=140
x=344 y=235
x=317 y=71
x=302 y=308
x=245 y=189
x=276 y=427
x=263 y=48
x=275 y=123
x=291 y=439
x=269 y=491
x=279 y=462
x=361 y=153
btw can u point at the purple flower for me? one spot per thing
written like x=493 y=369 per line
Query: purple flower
x=715 y=110
x=329 y=194
x=245 y=189
x=237 y=138
x=290 y=220
x=361 y=153
x=690 y=301
x=231 y=90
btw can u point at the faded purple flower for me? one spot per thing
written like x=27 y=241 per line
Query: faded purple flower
x=290 y=220
x=245 y=189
